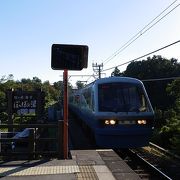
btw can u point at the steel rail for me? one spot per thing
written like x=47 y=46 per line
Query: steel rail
x=149 y=166
x=164 y=151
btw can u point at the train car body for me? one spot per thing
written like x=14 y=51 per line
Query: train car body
x=117 y=110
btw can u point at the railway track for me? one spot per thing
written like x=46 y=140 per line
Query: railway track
x=163 y=152
x=148 y=164
x=164 y=160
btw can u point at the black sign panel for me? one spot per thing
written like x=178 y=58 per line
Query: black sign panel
x=70 y=57
x=27 y=102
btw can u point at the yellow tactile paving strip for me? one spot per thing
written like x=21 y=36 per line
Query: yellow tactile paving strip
x=87 y=173
x=43 y=170
x=82 y=172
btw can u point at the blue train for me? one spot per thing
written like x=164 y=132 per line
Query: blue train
x=117 y=110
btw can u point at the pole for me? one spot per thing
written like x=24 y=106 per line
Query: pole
x=65 y=114
x=97 y=68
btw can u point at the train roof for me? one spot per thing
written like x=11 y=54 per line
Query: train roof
x=114 y=79
x=118 y=79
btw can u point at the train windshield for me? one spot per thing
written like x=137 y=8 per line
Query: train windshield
x=121 y=97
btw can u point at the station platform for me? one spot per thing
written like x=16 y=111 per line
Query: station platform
x=85 y=164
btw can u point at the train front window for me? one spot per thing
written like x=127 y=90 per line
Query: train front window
x=121 y=97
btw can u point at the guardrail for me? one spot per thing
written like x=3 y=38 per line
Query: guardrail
x=35 y=142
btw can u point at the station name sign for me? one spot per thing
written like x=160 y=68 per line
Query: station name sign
x=24 y=104
x=27 y=102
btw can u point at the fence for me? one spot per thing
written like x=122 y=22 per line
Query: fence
x=37 y=145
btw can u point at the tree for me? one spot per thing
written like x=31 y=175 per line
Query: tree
x=26 y=84
x=4 y=78
x=5 y=84
x=79 y=84
x=36 y=80
x=116 y=72
x=59 y=86
x=36 y=83
x=171 y=131
x=25 y=81
x=51 y=93
x=155 y=68
x=173 y=89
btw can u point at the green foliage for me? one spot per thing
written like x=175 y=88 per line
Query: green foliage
x=164 y=96
x=159 y=118
x=171 y=131
x=175 y=140
x=79 y=84
x=3 y=117
x=4 y=78
x=59 y=89
x=24 y=120
x=30 y=85
x=116 y=72
x=156 y=137
x=173 y=90
x=155 y=68
x=2 y=98
x=53 y=93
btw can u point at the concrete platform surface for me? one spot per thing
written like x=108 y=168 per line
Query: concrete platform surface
x=85 y=164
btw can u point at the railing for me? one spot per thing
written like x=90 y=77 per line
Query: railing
x=36 y=145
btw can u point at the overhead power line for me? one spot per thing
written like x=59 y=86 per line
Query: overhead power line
x=160 y=79
x=143 y=56
x=91 y=76
x=141 y=32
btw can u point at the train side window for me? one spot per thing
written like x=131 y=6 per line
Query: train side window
x=77 y=100
x=92 y=100
x=137 y=100
x=87 y=96
x=144 y=106
x=83 y=102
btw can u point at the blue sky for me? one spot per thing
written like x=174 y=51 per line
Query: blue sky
x=28 y=28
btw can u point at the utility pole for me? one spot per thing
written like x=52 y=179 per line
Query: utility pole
x=97 y=68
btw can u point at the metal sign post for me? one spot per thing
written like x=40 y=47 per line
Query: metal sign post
x=68 y=57
x=65 y=114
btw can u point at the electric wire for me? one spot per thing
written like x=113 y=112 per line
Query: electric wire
x=160 y=79
x=143 y=55
x=90 y=77
x=141 y=32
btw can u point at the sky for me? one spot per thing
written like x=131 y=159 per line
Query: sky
x=28 y=28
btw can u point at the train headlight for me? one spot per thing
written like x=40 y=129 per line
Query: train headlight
x=106 y=122
x=110 y=122
x=142 y=121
